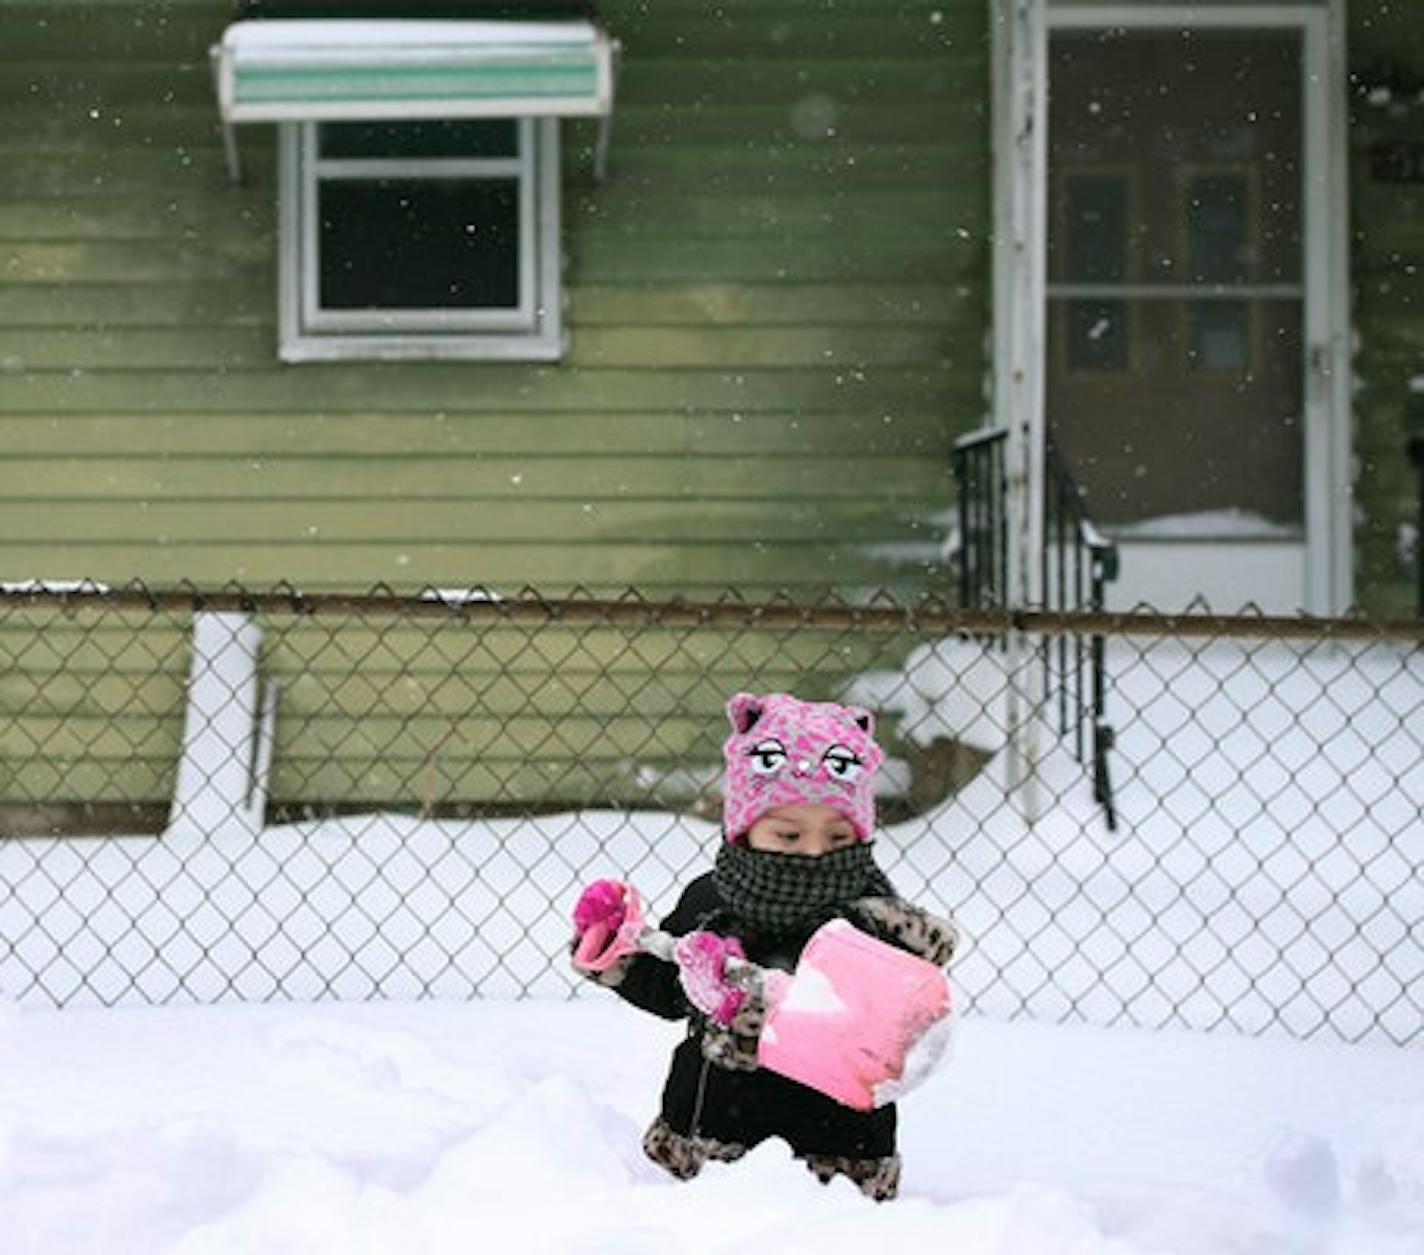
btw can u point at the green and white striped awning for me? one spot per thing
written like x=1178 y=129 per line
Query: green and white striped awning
x=270 y=71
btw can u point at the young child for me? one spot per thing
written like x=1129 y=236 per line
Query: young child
x=799 y=813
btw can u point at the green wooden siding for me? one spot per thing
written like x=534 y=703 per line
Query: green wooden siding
x=776 y=310
x=422 y=713
x=1387 y=232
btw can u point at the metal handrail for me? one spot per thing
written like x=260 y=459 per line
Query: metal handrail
x=982 y=489
x=1076 y=563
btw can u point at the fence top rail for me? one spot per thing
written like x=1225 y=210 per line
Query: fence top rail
x=880 y=613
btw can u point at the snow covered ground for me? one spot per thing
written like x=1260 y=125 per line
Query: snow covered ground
x=1266 y=875
x=434 y=1127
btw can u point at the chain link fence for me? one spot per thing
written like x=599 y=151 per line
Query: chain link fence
x=222 y=796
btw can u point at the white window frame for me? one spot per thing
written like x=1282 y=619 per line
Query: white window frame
x=1020 y=65
x=531 y=331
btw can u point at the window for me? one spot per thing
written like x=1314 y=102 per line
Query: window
x=419 y=169
x=433 y=238
x=1095 y=242
x=1219 y=228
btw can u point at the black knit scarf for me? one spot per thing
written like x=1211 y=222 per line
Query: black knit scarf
x=788 y=892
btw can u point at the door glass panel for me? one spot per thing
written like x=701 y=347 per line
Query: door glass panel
x=1201 y=454
x=1218 y=336
x=1097 y=337
x=1176 y=298
x=1218 y=223
x=1096 y=224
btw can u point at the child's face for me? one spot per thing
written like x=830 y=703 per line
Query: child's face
x=802 y=828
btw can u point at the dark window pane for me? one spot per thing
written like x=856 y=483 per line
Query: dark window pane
x=1097 y=230
x=1097 y=335
x=1217 y=335
x=1169 y=437
x=419 y=244
x=435 y=137
x=1217 y=229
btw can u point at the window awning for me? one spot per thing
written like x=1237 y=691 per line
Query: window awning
x=333 y=69
x=270 y=71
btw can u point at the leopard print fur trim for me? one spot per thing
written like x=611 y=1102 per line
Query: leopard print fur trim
x=682 y=1155
x=929 y=936
x=734 y=1046
x=876 y=1178
x=750 y=1018
x=727 y=1048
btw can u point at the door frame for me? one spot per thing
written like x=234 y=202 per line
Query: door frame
x=1020 y=31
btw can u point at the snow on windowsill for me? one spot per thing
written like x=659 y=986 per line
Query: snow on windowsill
x=1227 y=525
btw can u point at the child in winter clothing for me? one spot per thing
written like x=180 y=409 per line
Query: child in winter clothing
x=799 y=812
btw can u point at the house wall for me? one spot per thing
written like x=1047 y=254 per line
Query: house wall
x=1387 y=221
x=777 y=318
x=777 y=306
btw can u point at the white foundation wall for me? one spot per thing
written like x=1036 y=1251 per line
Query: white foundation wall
x=1227 y=574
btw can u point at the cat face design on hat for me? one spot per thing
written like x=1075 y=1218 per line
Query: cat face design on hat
x=783 y=751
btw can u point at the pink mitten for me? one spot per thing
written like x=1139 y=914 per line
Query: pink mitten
x=702 y=969
x=607 y=920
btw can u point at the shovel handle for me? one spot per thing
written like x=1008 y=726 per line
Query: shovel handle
x=660 y=944
x=657 y=943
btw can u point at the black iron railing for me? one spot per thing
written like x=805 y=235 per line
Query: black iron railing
x=1076 y=564
x=983 y=526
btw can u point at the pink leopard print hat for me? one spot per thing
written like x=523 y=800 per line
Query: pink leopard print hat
x=783 y=751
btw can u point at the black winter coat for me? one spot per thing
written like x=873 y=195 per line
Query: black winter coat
x=703 y=1099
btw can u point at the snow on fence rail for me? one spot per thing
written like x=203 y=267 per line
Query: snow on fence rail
x=403 y=795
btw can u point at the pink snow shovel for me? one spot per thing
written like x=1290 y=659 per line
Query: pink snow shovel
x=859 y=1020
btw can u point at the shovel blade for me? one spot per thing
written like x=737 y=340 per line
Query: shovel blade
x=851 y=1015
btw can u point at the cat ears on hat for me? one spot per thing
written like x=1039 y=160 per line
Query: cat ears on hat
x=745 y=709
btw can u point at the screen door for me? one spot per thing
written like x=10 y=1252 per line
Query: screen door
x=1176 y=298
